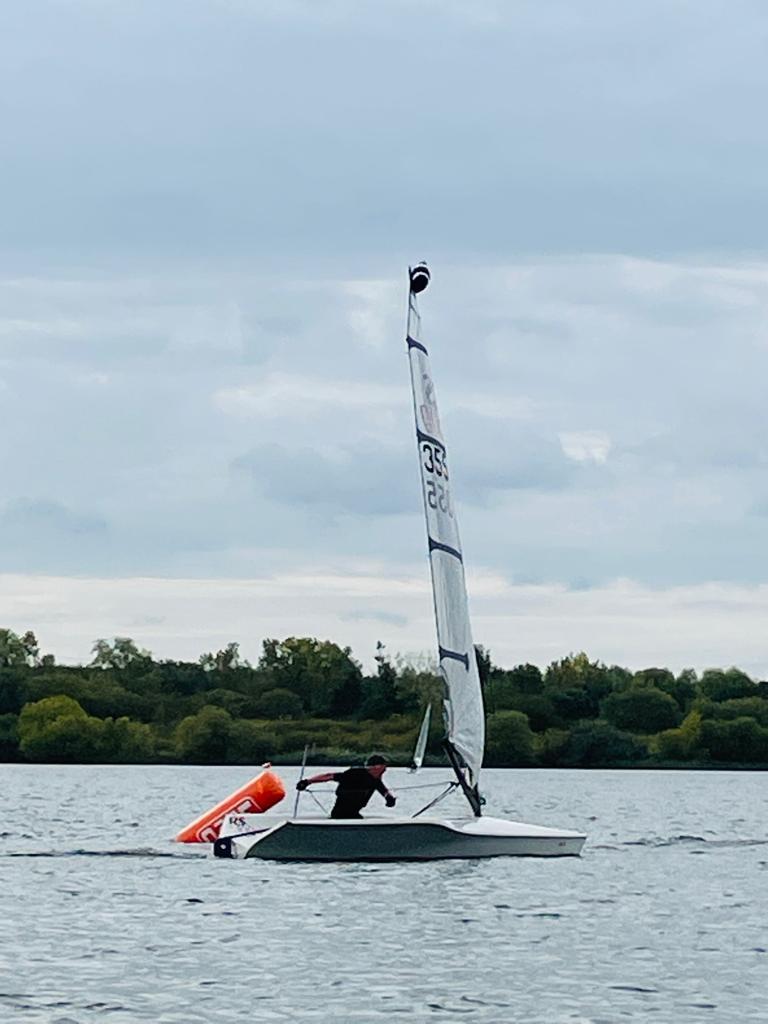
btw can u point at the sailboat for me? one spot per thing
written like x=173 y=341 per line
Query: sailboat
x=420 y=837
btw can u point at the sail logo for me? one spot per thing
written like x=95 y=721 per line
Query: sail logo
x=210 y=831
x=428 y=407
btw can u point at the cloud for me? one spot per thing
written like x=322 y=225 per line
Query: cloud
x=207 y=455
x=289 y=395
x=39 y=533
x=365 y=479
x=378 y=615
x=297 y=130
x=621 y=623
x=41 y=517
x=202 y=287
x=586 y=445
x=497 y=456
x=372 y=304
x=720 y=443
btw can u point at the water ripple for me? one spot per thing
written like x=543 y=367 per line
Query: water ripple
x=113 y=922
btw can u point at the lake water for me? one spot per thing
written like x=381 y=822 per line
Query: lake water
x=664 y=917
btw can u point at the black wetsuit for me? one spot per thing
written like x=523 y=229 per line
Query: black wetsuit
x=355 y=789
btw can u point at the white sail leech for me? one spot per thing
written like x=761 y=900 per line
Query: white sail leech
x=465 y=719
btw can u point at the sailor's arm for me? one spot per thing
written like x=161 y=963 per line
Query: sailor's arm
x=322 y=777
x=389 y=798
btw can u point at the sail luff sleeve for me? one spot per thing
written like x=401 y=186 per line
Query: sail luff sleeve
x=458 y=666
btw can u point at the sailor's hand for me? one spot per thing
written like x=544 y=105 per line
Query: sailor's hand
x=301 y=785
x=390 y=800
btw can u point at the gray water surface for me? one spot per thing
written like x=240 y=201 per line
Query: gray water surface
x=663 y=918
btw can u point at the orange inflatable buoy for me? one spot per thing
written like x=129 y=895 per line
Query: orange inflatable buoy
x=254 y=797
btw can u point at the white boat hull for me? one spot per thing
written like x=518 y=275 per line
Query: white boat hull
x=269 y=837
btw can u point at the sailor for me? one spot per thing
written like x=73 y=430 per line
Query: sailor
x=356 y=786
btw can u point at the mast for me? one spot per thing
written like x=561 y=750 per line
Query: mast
x=463 y=701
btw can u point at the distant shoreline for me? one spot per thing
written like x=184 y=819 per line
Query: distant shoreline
x=403 y=763
x=126 y=708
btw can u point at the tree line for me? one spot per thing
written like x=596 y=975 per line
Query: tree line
x=124 y=706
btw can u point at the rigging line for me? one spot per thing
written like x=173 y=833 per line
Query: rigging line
x=440 y=796
x=301 y=776
x=321 y=806
x=425 y=785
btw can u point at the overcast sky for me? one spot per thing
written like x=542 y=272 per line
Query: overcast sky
x=206 y=214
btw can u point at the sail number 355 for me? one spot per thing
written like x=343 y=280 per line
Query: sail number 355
x=434 y=463
x=434 y=460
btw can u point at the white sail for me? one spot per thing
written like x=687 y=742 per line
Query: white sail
x=421 y=742
x=465 y=720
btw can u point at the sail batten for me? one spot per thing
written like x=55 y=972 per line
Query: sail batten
x=435 y=545
x=421 y=436
x=463 y=703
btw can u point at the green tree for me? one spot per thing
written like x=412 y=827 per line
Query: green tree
x=278 y=703
x=127 y=742
x=484 y=665
x=576 y=685
x=250 y=743
x=660 y=678
x=12 y=689
x=739 y=741
x=683 y=743
x=619 y=678
x=239 y=705
x=503 y=695
x=538 y=709
x=642 y=708
x=509 y=739
x=42 y=713
x=226 y=660
x=9 y=737
x=204 y=738
x=121 y=654
x=101 y=696
x=741 y=707
x=15 y=650
x=682 y=689
x=596 y=744
x=380 y=698
x=175 y=677
x=32 y=648
x=506 y=688
x=685 y=688
x=526 y=678
x=418 y=684
x=325 y=676
x=58 y=729
x=728 y=684
x=550 y=747
x=574 y=703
